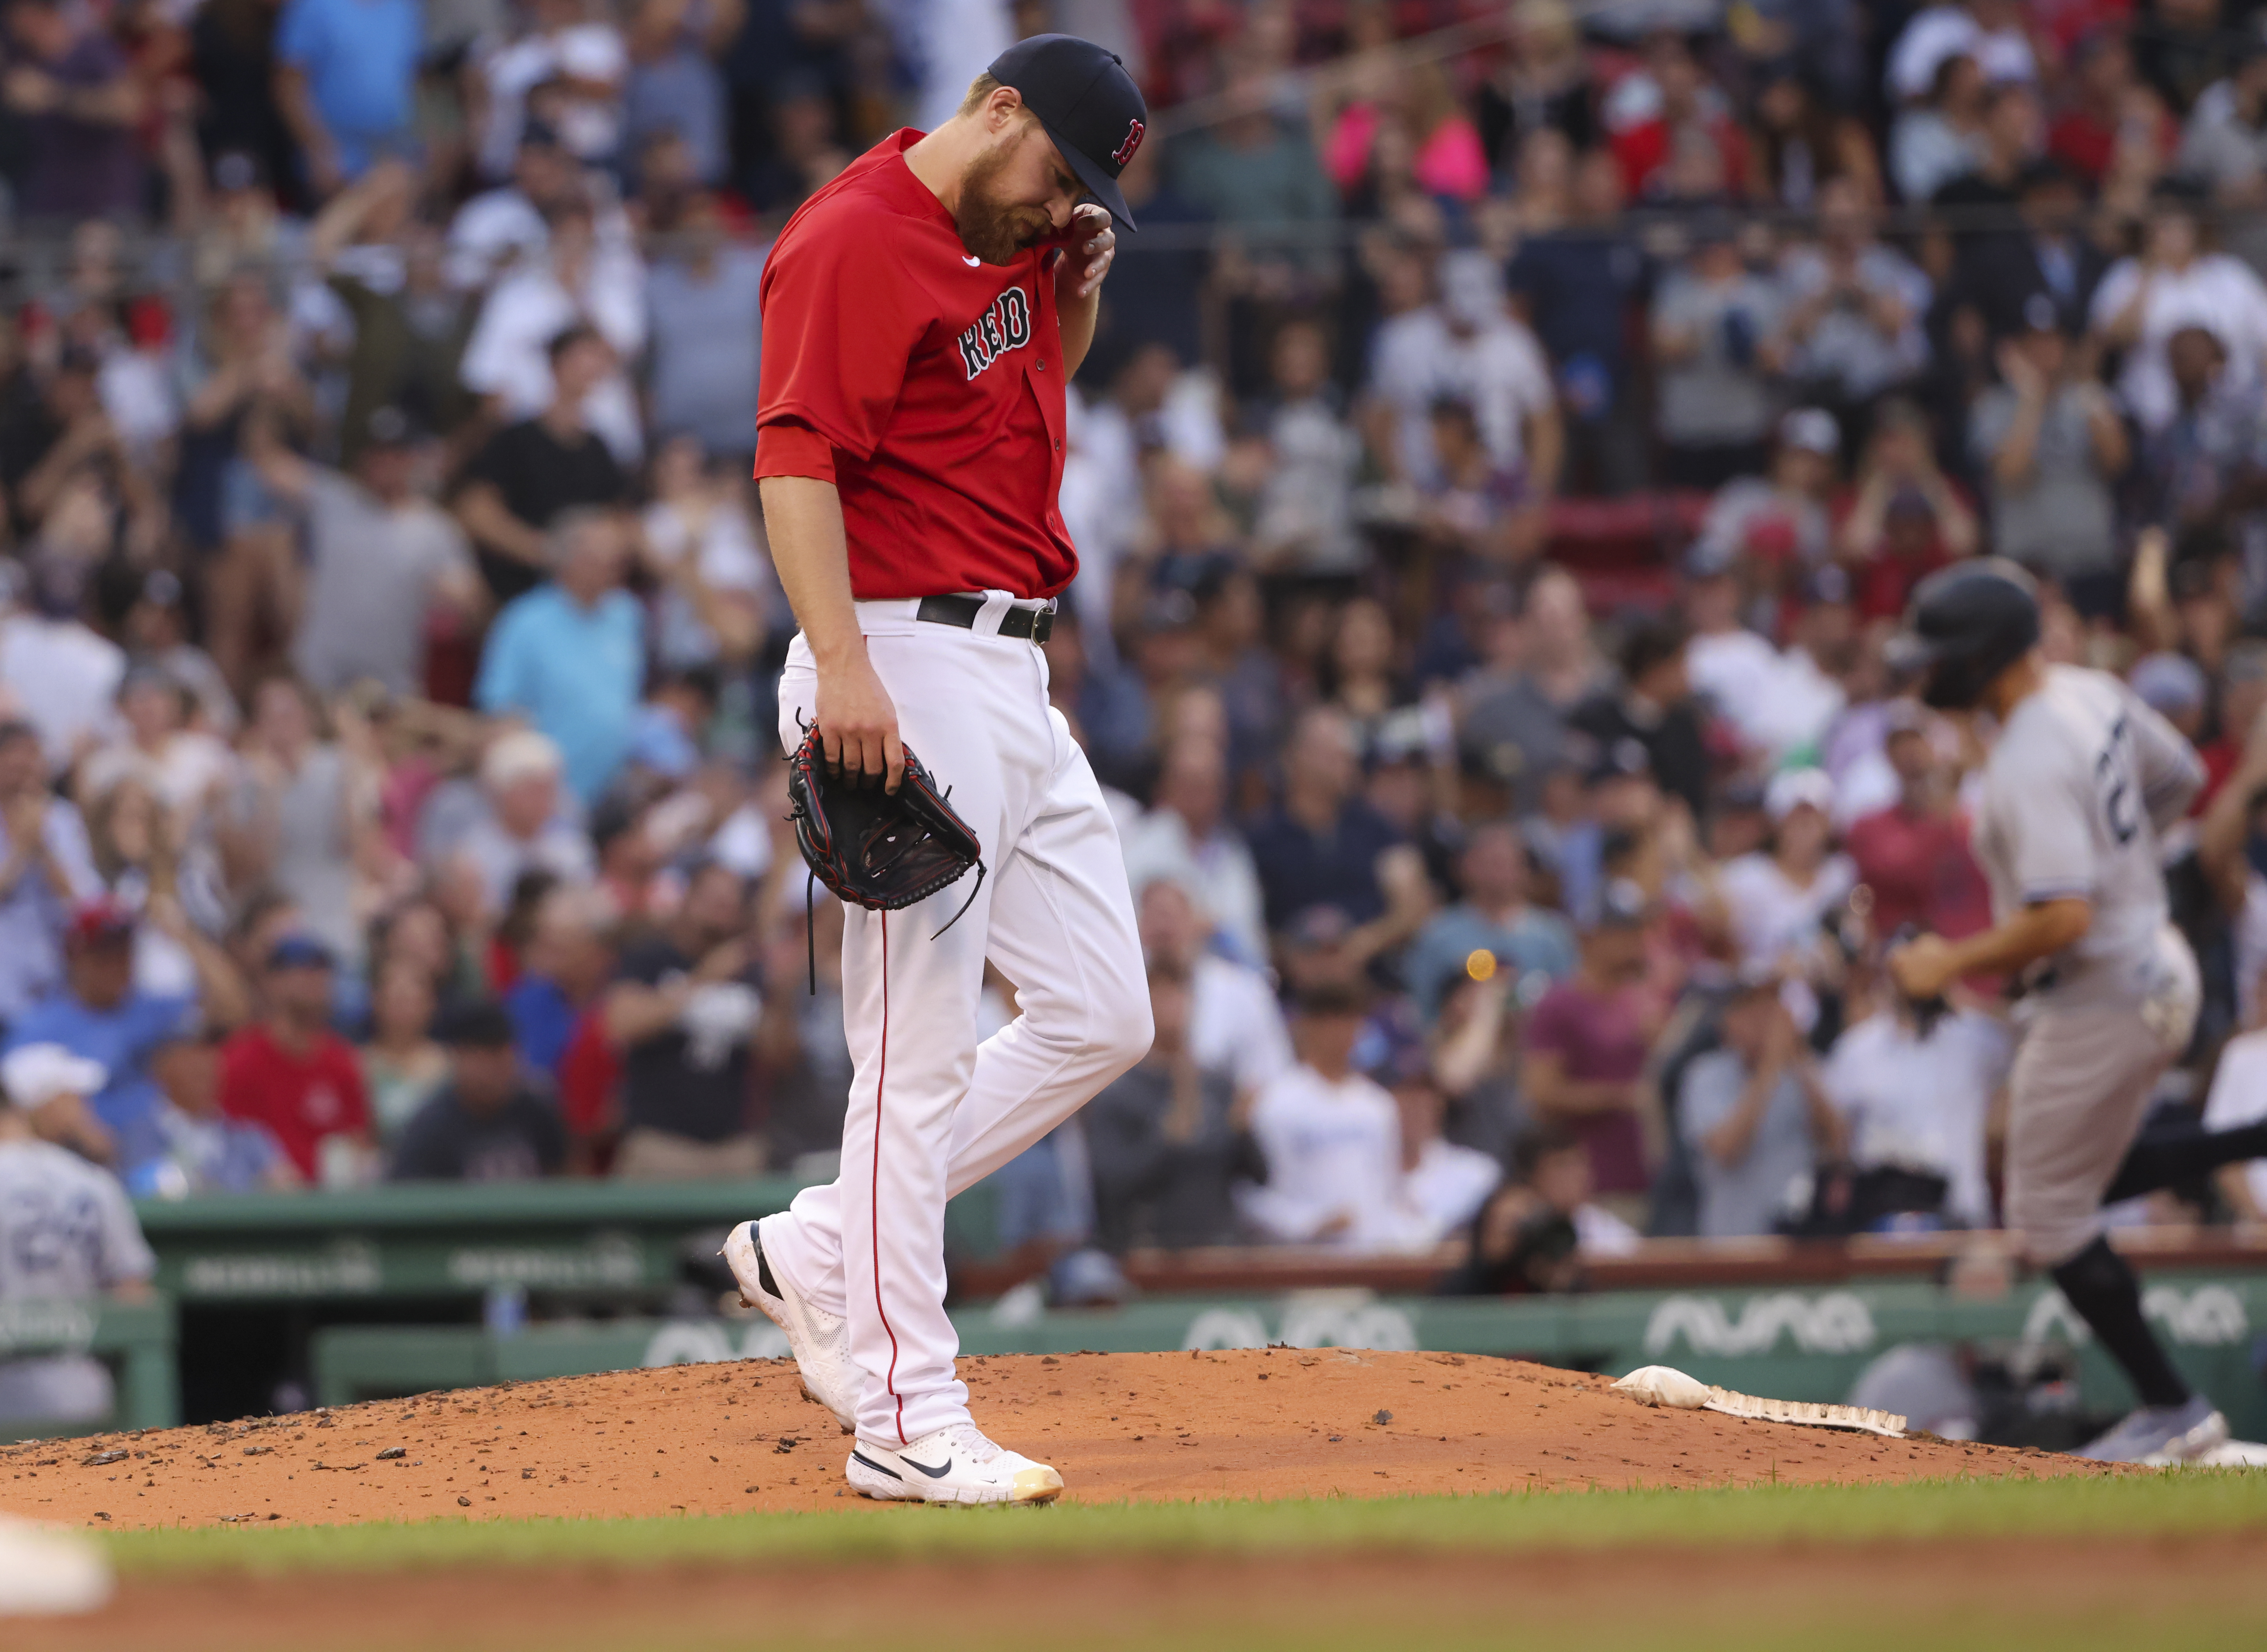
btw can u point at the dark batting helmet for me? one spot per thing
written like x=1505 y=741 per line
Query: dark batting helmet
x=1967 y=624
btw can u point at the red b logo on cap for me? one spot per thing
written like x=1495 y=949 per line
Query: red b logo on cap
x=1124 y=153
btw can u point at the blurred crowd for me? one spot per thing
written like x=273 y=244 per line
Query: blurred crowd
x=1508 y=442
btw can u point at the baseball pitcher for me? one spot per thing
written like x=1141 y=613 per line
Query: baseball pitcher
x=923 y=316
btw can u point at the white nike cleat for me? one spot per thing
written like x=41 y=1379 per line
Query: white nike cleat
x=819 y=1340
x=2162 y=1435
x=955 y=1464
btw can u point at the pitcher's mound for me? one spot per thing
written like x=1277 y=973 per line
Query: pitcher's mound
x=715 y=1439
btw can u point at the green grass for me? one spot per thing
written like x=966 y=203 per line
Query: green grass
x=2193 y=1502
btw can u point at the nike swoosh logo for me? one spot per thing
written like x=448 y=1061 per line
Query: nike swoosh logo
x=934 y=1473
x=878 y=1469
x=973 y=263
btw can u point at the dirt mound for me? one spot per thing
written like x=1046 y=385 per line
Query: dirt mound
x=714 y=1439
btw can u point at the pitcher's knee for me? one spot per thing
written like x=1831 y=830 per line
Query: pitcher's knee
x=1116 y=1034
x=2052 y=1231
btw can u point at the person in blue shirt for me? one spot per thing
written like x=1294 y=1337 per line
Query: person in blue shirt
x=346 y=75
x=565 y=964
x=569 y=657
x=1494 y=918
x=101 y=1015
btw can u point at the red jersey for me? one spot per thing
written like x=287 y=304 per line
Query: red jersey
x=925 y=386
x=300 y=1098
x=1921 y=872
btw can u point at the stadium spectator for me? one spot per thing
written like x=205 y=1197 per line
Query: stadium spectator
x=1235 y=1020
x=703 y=303
x=206 y=1150
x=2050 y=440
x=346 y=82
x=1540 y=663
x=2047 y=253
x=380 y=558
x=801 y=1053
x=1576 y=277
x=562 y=968
x=1935 y=141
x=2177 y=282
x=1915 y=1104
x=1778 y=901
x=533 y=472
x=1305 y=515
x=61 y=674
x=574 y=63
x=1493 y=927
x=74 y=102
x=1905 y=517
x=402 y=1064
x=521 y=827
x=1534 y=1232
x=388 y=270
x=1650 y=716
x=1468 y=347
x=1586 y=1043
x=1444 y=1183
x=1542 y=82
x=1162 y=1136
x=1324 y=846
x=302 y=817
x=569 y=656
x=1914 y=855
x=487 y=1123
x=683 y=1012
x=1718 y=336
x=1755 y=1117
x=1186 y=837
x=1330 y=1139
x=1855 y=305
x=290 y=1073
x=47 y=869
x=100 y=1015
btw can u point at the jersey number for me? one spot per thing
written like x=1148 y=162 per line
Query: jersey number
x=2113 y=777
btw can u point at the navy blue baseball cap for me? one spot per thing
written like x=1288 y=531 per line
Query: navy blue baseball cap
x=1089 y=105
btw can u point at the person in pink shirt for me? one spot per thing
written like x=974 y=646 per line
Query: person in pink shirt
x=1412 y=112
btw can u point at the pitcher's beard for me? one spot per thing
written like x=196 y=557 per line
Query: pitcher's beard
x=990 y=228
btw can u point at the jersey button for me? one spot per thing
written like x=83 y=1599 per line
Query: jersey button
x=1043 y=364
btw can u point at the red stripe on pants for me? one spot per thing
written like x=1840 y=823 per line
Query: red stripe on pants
x=874 y=1213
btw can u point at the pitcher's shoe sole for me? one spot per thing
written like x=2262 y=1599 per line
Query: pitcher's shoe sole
x=819 y=1340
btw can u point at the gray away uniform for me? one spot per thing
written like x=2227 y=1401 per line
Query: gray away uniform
x=2083 y=780
x=66 y=1231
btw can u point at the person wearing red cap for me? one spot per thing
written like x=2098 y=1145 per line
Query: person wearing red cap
x=921 y=316
x=99 y=1014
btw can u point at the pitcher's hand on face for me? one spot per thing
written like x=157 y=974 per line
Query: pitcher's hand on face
x=1092 y=245
x=858 y=724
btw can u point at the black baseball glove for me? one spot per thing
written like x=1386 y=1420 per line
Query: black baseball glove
x=875 y=849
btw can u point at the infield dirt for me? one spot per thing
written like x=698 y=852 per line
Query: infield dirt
x=723 y=1438
x=2003 y=1596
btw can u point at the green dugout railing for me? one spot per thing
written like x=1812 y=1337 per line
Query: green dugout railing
x=436 y=1239
x=1791 y=1344
x=136 y=1338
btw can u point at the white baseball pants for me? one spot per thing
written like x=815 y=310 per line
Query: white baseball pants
x=932 y=1113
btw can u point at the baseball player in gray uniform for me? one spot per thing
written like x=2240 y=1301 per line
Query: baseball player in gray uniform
x=2081 y=783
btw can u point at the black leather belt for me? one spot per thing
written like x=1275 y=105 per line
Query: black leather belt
x=1032 y=623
